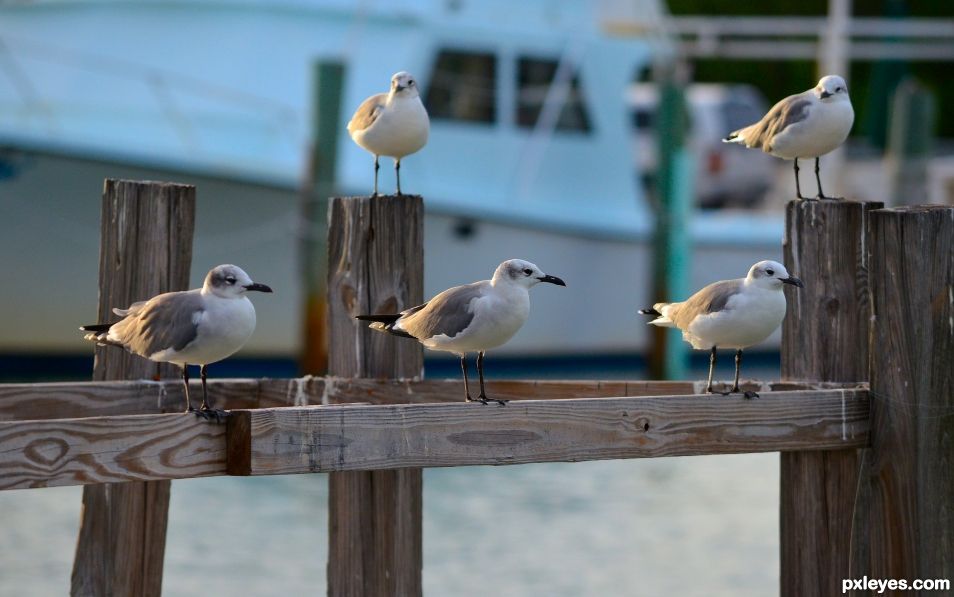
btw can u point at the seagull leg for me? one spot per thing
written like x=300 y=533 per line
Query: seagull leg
x=738 y=365
x=206 y=412
x=377 y=167
x=463 y=369
x=480 y=371
x=397 y=172
x=798 y=189
x=821 y=193
x=185 y=382
x=712 y=362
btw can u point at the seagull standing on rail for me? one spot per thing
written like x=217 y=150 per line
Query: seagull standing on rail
x=197 y=327
x=392 y=124
x=730 y=314
x=471 y=318
x=806 y=125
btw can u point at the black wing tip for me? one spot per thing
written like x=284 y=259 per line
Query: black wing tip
x=388 y=318
x=96 y=327
x=650 y=311
x=731 y=137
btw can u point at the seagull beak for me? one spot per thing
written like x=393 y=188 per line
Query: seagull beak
x=258 y=287
x=552 y=280
x=825 y=94
x=793 y=281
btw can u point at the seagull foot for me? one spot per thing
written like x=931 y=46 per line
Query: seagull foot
x=482 y=400
x=827 y=198
x=212 y=414
x=749 y=395
x=714 y=392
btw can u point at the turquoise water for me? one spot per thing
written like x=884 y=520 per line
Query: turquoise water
x=705 y=525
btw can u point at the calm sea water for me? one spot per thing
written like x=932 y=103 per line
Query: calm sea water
x=698 y=526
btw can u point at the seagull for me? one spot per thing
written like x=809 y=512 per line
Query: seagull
x=393 y=124
x=731 y=314
x=197 y=327
x=471 y=318
x=805 y=125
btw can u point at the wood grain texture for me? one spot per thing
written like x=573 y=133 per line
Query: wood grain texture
x=109 y=450
x=824 y=338
x=904 y=526
x=375 y=265
x=73 y=400
x=146 y=249
x=113 y=449
x=323 y=439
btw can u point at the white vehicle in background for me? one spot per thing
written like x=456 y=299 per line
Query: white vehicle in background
x=726 y=175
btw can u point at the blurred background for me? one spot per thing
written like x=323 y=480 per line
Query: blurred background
x=583 y=136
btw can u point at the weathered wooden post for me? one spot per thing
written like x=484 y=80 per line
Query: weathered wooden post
x=824 y=338
x=904 y=522
x=146 y=249
x=375 y=265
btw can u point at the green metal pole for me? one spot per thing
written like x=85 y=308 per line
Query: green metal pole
x=319 y=185
x=674 y=192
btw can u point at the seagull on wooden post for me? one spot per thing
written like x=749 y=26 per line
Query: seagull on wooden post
x=730 y=314
x=197 y=327
x=392 y=124
x=805 y=125
x=470 y=318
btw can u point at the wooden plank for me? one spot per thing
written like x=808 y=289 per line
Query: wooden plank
x=376 y=265
x=146 y=249
x=904 y=526
x=73 y=400
x=316 y=439
x=99 y=450
x=46 y=453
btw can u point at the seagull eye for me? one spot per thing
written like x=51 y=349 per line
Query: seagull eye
x=528 y=271
x=230 y=279
x=770 y=272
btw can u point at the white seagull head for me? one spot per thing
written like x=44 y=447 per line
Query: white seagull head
x=831 y=88
x=230 y=281
x=522 y=273
x=771 y=275
x=403 y=85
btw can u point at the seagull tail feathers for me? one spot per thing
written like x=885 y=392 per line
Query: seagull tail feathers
x=384 y=323
x=661 y=318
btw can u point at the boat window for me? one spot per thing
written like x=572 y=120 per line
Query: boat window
x=463 y=87
x=534 y=77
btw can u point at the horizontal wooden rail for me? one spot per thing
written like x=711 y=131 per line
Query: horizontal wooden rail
x=42 y=453
x=19 y=402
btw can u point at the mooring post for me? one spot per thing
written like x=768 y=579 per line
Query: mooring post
x=375 y=265
x=904 y=521
x=146 y=249
x=824 y=338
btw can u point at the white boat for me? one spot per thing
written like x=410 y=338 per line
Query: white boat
x=218 y=93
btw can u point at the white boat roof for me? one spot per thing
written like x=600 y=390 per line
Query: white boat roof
x=223 y=88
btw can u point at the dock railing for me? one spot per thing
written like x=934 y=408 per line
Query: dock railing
x=867 y=475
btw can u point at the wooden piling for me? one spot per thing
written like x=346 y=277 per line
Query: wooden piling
x=375 y=265
x=146 y=249
x=904 y=524
x=824 y=338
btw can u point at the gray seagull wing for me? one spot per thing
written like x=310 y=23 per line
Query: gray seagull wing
x=789 y=111
x=367 y=112
x=449 y=313
x=163 y=322
x=711 y=299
